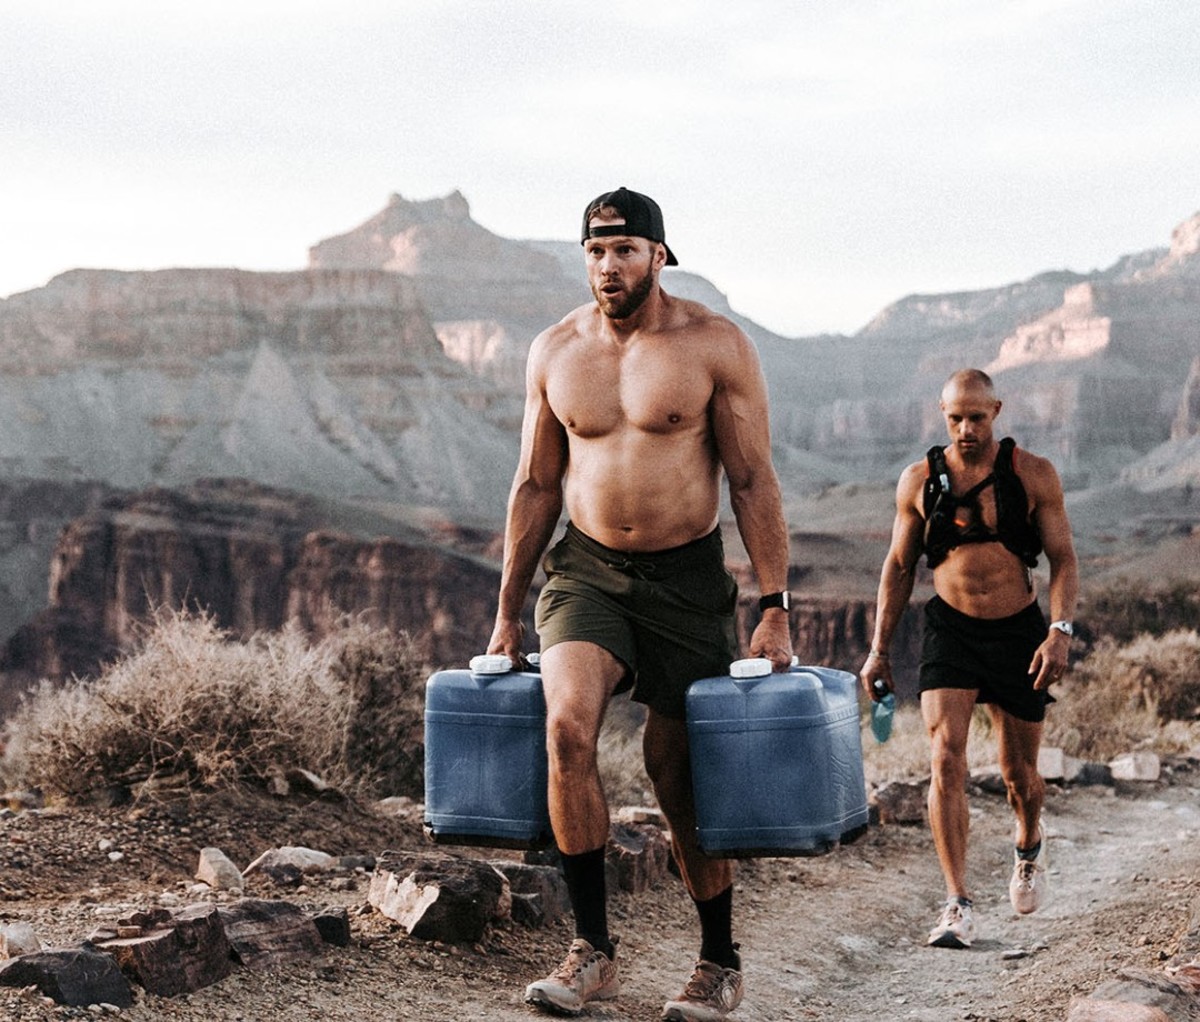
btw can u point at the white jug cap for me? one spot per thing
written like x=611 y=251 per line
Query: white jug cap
x=754 y=667
x=533 y=659
x=490 y=663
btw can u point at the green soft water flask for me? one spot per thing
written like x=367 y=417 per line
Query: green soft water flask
x=883 y=711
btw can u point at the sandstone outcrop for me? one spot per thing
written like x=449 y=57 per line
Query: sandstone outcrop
x=325 y=381
x=254 y=558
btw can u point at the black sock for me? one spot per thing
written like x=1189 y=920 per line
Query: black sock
x=1029 y=854
x=584 y=874
x=716 y=930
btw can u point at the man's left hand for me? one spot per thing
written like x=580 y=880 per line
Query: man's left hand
x=1050 y=659
x=772 y=639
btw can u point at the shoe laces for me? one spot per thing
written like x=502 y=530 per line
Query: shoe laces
x=1027 y=871
x=705 y=980
x=953 y=912
x=575 y=962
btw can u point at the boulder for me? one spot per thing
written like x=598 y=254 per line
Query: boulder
x=74 y=976
x=440 y=898
x=1142 y=765
x=640 y=854
x=1092 y=1009
x=902 y=802
x=306 y=860
x=175 y=955
x=266 y=933
x=18 y=939
x=539 y=893
x=218 y=871
x=333 y=924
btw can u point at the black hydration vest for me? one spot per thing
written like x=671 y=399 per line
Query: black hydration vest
x=1013 y=528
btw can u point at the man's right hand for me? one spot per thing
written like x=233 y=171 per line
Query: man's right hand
x=507 y=638
x=876 y=668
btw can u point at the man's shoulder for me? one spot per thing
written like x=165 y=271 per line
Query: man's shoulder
x=1025 y=462
x=694 y=315
x=913 y=477
x=572 y=326
x=1037 y=474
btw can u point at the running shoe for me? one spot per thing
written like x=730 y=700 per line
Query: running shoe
x=956 y=927
x=584 y=975
x=1027 y=888
x=710 y=995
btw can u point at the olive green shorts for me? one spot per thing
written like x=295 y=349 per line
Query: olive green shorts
x=668 y=616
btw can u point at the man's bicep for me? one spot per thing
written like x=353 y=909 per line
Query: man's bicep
x=1050 y=515
x=908 y=527
x=739 y=417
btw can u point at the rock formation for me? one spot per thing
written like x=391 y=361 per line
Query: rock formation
x=387 y=378
x=325 y=381
x=254 y=558
x=1187 y=419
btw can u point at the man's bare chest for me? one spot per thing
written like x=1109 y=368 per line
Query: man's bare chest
x=597 y=396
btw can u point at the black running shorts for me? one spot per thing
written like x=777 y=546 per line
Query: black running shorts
x=991 y=655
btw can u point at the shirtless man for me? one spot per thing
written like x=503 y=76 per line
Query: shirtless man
x=985 y=638
x=635 y=403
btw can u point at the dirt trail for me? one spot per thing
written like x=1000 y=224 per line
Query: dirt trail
x=837 y=938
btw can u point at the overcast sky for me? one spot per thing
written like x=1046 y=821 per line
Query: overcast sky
x=816 y=160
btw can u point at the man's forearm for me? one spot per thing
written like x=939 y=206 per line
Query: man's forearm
x=1064 y=589
x=759 y=515
x=531 y=522
x=895 y=590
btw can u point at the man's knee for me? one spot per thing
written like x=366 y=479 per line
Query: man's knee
x=570 y=744
x=1023 y=782
x=665 y=754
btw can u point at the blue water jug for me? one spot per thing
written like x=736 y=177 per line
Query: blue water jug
x=777 y=765
x=485 y=756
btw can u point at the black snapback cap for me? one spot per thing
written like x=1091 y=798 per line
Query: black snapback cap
x=643 y=219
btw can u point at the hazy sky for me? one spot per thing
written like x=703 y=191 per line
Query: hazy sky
x=816 y=160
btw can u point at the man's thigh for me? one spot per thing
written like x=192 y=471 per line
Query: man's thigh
x=578 y=680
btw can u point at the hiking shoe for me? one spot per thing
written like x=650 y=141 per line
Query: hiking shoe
x=1027 y=888
x=710 y=995
x=956 y=927
x=584 y=975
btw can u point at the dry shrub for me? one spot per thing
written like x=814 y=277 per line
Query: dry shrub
x=1123 y=696
x=1126 y=608
x=905 y=755
x=192 y=703
x=622 y=766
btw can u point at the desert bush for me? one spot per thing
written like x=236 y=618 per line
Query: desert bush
x=191 y=702
x=905 y=756
x=1126 y=695
x=1127 y=608
x=619 y=752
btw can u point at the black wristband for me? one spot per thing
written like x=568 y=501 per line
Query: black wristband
x=783 y=600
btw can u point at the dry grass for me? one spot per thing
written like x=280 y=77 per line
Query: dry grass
x=1144 y=693
x=905 y=755
x=193 y=704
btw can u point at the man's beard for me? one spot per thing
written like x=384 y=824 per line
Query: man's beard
x=628 y=302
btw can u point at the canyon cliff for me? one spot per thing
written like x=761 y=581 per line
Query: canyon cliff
x=256 y=559
x=370 y=405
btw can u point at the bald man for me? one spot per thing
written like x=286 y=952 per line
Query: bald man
x=982 y=511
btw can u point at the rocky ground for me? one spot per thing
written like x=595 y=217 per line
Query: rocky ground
x=834 y=938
